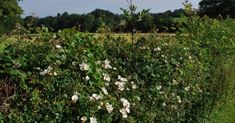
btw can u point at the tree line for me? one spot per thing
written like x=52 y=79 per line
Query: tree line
x=99 y=18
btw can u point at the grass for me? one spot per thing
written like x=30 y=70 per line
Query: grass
x=225 y=111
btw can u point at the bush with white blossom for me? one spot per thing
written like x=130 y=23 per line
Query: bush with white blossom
x=78 y=77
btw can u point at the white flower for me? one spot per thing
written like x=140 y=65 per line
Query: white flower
x=122 y=79
x=93 y=120
x=106 y=84
x=159 y=87
x=107 y=61
x=125 y=103
x=157 y=49
x=138 y=98
x=58 y=46
x=128 y=110
x=124 y=113
x=133 y=85
x=104 y=90
x=163 y=104
x=46 y=71
x=43 y=73
x=74 y=98
x=49 y=68
x=186 y=48
x=174 y=82
x=126 y=107
x=106 y=77
x=95 y=97
x=74 y=63
x=98 y=62
x=99 y=107
x=187 y=88
x=109 y=107
x=190 y=57
x=107 y=64
x=55 y=74
x=179 y=99
x=144 y=48
x=84 y=67
x=92 y=99
x=54 y=36
x=121 y=85
x=87 y=78
x=84 y=118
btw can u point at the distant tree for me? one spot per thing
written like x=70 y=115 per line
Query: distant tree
x=145 y=24
x=100 y=19
x=131 y=18
x=50 y=22
x=30 y=22
x=87 y=22
x=97 y=23
x=74 y=21
x=63 y=20
x=10 y=13
x=165 y=21
x=104 y=16
x=216 y=8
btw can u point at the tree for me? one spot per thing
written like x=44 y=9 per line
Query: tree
x=216 y=8
x=30 y=22
x=104 y=16
x=87 y=22
x=145 y=24
x=10 y=13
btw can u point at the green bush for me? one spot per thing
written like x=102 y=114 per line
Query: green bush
x=73 y=77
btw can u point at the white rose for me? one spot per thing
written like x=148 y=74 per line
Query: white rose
x=58 y=46
x=74 y=98
x=84 y=67
x=93 y=120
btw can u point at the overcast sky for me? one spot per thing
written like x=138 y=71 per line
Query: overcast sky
x=44 y=8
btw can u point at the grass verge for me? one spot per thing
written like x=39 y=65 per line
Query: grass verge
x=225 y=111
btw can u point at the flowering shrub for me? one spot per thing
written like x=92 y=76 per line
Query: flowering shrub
x=75 y=77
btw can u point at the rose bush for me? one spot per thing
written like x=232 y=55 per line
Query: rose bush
x=71 y=76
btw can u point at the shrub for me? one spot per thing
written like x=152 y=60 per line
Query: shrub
x=72 y=77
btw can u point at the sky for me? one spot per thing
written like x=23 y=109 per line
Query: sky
x=42 y=8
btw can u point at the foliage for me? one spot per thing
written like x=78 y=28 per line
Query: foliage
x=216 y=8
x=225 y=110
x=92 y=21
x=10 y=13
x=133 y=20
x=72 y=76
